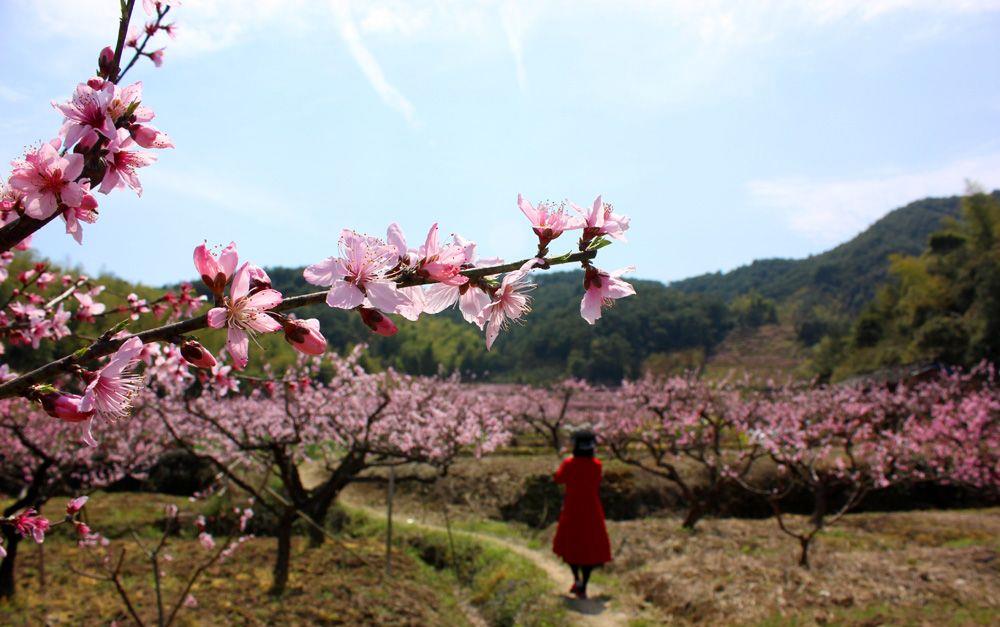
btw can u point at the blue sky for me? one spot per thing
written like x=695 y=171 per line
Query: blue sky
x=728 y=131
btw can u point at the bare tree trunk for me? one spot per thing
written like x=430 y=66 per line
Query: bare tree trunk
x=695 y=512
x=7 y=581
x=317 y=513
x=281 y=565
x=804 y=555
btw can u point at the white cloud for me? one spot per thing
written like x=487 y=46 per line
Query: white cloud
x=396 y=20
x=704 y=37
x=367 y=62
x=512 y=18
x=830 y=210
x=219 y=192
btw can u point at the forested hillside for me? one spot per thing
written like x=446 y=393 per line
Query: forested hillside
x=662 y=327
x=940 y=307
x=849 y=274
x=554 y=341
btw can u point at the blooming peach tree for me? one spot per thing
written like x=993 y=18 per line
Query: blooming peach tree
x=104 y=142
x=42 y=458
x=319 y=436
x=839 y=443
x=667 y=425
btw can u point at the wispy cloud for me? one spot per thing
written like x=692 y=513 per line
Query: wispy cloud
x=705 y=37
x=511 y=16
x=367 y=62
x=830 y=210
x=219 y=192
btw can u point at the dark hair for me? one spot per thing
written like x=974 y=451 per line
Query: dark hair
x=584 y=443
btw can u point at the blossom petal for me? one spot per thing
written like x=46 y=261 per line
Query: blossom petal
x=394 y=236
x=228 y=259
x=324 y=273
x=217 y=317
x=126 y=354
x=525 y=206
x=384 y=296
x=238 y=345
x=471 y=304
x=263 y=323
x=344 y=295
x=590 y=306
x=241 y=282
x=439 y=297
x=265 y=299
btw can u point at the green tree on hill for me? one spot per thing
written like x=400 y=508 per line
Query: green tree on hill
x=941 y=306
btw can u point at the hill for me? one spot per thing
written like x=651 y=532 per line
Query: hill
x=554 y=341
x=848 y=275
x=714 y=319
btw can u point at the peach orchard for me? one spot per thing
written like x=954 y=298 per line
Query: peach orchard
x=110 y=409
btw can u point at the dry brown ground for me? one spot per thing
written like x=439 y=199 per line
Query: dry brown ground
x=922 y=568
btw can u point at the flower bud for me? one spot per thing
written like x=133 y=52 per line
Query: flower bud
x=76 y=505
x=106 y=62
x=377 y=322
x=65 y=407
x=197 y=355
x=304 y=336
x=96 y=83
x=149 y=137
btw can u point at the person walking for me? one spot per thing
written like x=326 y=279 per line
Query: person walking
x=581 y=538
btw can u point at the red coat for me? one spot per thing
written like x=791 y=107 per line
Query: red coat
x=581 y=538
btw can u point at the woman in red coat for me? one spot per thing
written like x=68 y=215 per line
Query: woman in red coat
x=581 y=537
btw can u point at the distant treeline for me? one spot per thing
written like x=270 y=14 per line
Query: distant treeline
x=921 y=284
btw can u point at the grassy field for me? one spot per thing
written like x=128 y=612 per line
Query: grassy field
x=341 y=583
x=932 y=567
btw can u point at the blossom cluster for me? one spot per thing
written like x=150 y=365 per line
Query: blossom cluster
x=378 y=277
x=105 y=140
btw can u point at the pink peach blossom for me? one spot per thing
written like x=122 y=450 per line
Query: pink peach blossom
x=75 y=505
x=377 y=322
x=150 y=137
x=548 y=223
x=122 y=161
x=87 y=113
x=244 y=312
x=509 y=303
x=65 y=407
x=601 y=289
x=29 y=524
x=359 y=276
x=46 y=178
x=113 y=389
x=601 y=220
x=197 y=355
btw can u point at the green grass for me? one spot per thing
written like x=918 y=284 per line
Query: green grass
x=504 y=587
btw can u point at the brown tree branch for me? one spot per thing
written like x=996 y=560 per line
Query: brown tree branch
x=105 y=345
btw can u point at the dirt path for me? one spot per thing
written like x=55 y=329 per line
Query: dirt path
x=596 y=610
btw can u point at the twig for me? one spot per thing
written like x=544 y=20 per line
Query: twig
x=106 y=345
x=126 y=16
